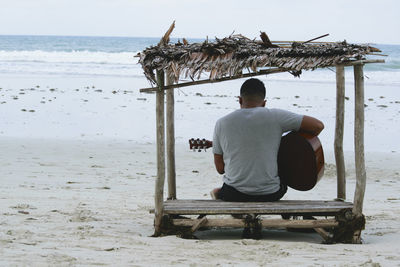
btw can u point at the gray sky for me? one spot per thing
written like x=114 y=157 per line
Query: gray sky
x=355 y=21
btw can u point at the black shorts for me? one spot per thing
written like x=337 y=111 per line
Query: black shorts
x=229 y=193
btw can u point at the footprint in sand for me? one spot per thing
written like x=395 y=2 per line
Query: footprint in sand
x=96 y=166
x=23 y=207
x=58 y=259
x=83 y=216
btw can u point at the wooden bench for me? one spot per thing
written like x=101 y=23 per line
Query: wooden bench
x=250 y=216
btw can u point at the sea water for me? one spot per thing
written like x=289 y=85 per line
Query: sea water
x=115 y=56
x=88 y=87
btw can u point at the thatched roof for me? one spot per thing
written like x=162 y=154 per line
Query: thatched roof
x=229 y=56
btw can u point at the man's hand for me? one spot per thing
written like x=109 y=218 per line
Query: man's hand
x=311 y=125
x=219 y=163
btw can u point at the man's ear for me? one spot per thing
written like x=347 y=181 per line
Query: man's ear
x=240 y=100
x=264 y=103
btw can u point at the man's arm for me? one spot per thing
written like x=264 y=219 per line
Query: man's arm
x=219 y=163
x=311 y=125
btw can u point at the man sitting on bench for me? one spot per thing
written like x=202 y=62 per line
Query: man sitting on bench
x=246 y=144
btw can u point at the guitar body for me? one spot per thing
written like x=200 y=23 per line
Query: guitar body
x=300 y=161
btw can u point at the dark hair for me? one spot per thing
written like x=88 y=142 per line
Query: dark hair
x=252 y=88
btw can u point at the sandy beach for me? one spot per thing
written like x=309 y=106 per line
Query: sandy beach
x=87 y=203
x=78 y=170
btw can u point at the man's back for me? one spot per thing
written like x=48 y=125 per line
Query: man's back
x=249 y=140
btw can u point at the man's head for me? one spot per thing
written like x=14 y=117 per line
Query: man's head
x=252 y=94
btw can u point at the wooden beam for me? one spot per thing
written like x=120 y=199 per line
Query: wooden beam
x=290 y=42
x=229 y=222
x=188 y=207
x=363 y=61
x=339 y=128
x=171 y=172
x=240 y=76
x=300 y=223
x=159 y=186
x=271 y=223
x=359 y=140
x=201 y=222
x=316 y=38
x=294 y=207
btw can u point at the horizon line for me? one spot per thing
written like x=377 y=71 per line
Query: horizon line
x=102 y=36
x=153 y=37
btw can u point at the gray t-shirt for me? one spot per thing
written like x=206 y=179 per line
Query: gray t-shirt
x=249 y=140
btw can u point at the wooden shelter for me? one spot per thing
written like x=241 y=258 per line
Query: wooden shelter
x=226 y=59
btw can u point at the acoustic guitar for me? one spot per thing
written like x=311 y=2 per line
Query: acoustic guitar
x=300 y=159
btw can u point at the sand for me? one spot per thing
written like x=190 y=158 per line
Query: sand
x=78 y=177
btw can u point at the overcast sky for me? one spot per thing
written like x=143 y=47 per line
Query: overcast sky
x=355 y=21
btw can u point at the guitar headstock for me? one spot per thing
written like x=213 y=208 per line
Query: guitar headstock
x=199 y=144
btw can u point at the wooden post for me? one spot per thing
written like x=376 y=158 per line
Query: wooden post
x=359 y=146
x=160 y=125
x=171 y=142
x=159 y=188
x=339 y=128
x=359 y=140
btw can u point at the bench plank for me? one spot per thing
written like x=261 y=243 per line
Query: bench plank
x=192 y=207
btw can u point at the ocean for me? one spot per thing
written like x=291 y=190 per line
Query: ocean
x=88 y=87
x=114 y=56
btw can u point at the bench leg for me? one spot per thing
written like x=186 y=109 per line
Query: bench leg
x=350 y=227
x=324 y=234
x=201 y=222
x=253 y=227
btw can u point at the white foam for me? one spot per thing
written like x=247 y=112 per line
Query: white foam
x=69 y=63
x=125 y=64
x=68 y=57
